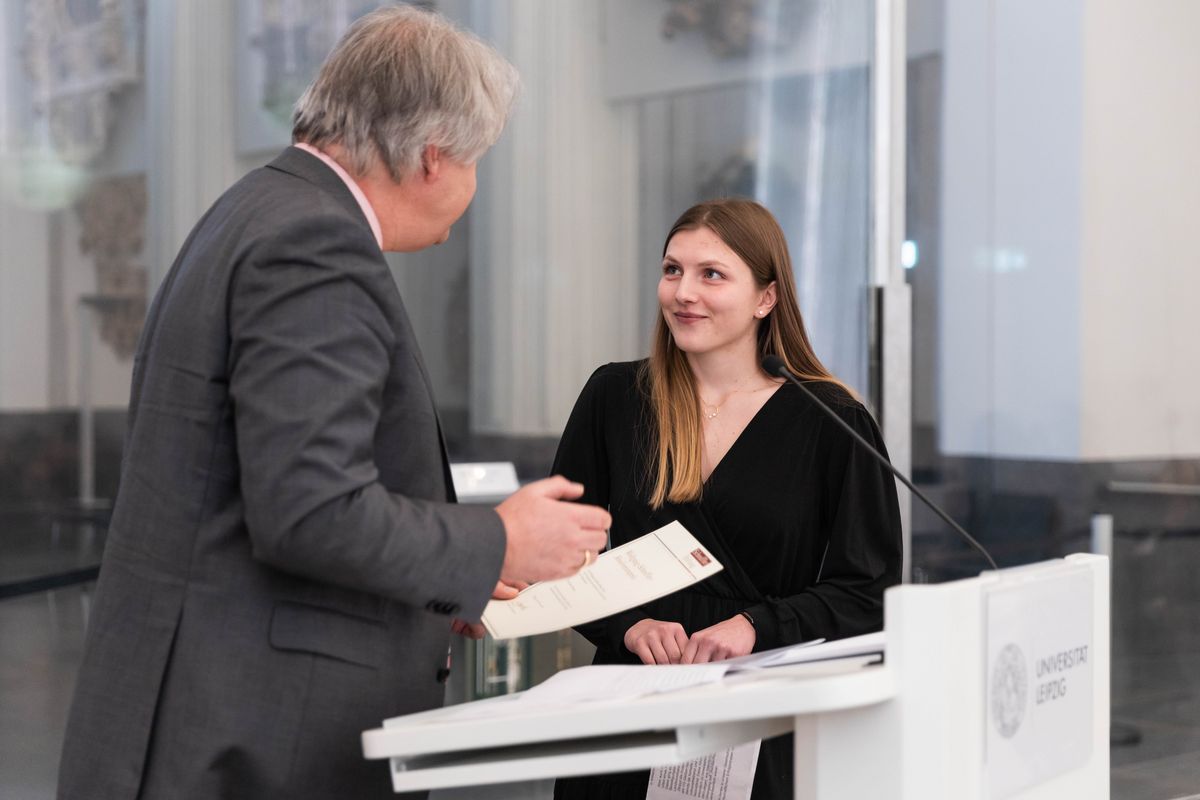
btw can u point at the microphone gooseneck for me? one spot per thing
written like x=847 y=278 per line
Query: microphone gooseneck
x=774 y=365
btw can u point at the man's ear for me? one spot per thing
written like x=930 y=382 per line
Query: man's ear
x=431 y=162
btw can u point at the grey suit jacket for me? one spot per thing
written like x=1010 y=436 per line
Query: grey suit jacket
x=284 y=553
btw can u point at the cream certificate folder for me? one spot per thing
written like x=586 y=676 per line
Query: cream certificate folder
x=654 y=565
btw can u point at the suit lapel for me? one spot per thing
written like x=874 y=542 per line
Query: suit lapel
x=404 y=326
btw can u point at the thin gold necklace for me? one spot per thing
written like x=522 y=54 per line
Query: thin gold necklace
x=717 y=408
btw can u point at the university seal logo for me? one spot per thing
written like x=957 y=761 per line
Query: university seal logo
x=1010 y=688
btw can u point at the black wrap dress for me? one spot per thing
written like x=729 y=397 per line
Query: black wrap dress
x=806 y=523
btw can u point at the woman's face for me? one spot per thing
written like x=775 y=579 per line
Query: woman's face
x=708 y=295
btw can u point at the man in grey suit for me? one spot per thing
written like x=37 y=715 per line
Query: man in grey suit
x=285 y=561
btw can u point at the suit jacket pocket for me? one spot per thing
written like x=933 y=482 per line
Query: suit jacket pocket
x=326 y=632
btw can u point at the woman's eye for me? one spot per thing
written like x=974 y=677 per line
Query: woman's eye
x=670 y=269
x=712 y=274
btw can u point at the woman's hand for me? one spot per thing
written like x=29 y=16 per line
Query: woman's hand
x=729 y=639
x=656 y=642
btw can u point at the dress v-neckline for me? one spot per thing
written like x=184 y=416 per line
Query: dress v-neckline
x=741 y=436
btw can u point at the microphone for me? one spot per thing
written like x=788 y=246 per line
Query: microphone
x=774 y=365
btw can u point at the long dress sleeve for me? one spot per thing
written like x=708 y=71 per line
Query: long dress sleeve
x=861 y=518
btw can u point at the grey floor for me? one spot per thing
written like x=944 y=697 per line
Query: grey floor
x=41 y=638
x=1156 y=681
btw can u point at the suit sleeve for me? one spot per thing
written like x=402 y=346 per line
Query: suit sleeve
x=863 y=554
x=311 y=347
x=583 y=457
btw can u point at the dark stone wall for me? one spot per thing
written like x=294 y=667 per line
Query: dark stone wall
x=1025 y=511
x=39 y=456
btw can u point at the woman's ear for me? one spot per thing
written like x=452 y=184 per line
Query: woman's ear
x=766 y=302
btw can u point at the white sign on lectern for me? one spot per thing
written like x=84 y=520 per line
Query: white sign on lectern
x=1039 y=678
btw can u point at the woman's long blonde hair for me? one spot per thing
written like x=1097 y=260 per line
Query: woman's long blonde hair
x=752 y=232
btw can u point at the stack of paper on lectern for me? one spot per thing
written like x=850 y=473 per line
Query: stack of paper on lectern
x=650 y=567
x=814 y=650
x=621 y=681
x=614 y=682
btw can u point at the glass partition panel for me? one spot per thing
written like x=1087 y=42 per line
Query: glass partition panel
x=1052 y=291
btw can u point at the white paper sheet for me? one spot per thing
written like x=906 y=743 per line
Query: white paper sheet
x=599 y=682
x=621 y=681
x=815 y=650
x=649 y=567
x=726 y=775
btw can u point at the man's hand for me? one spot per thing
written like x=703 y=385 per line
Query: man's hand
x=729 y=639
x=656 y=642
x=507 y=591
x=547 y=537
x=472 y=630
x=475 y=630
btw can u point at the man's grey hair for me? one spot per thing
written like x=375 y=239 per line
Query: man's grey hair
x=400 y=79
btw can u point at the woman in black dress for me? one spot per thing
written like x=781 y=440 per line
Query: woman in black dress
x=805 y=522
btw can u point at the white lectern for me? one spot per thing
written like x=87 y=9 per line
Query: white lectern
x=994 y=687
